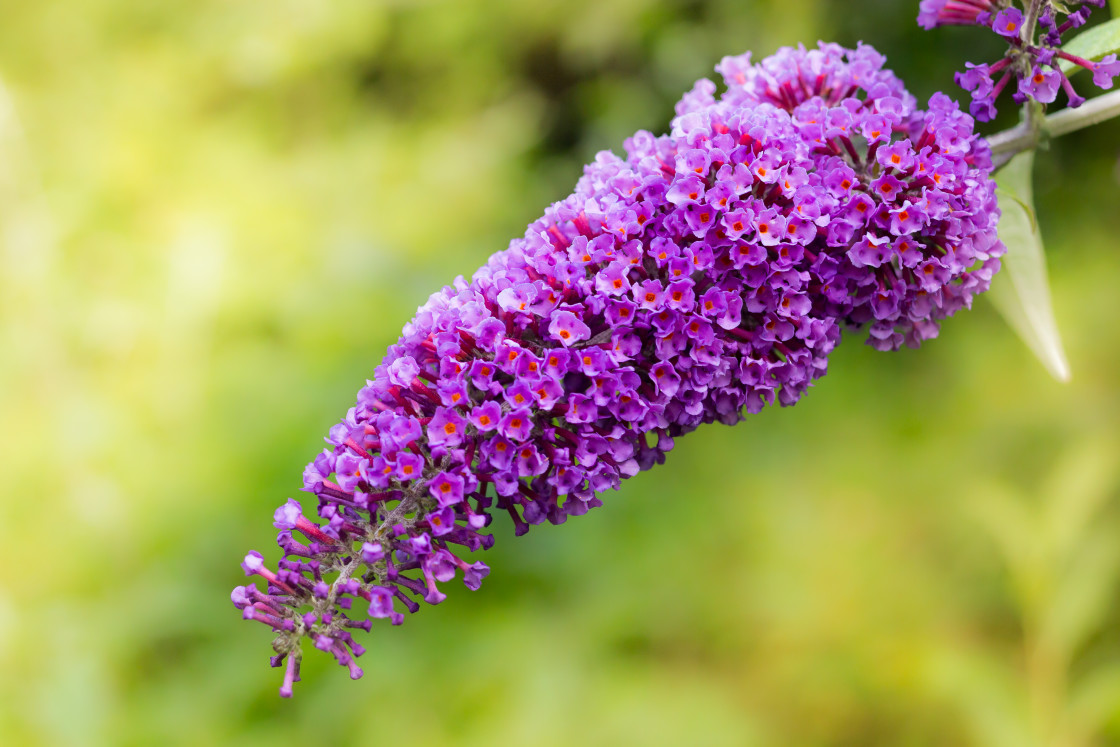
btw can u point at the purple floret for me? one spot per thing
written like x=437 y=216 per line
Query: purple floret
x=702 y=277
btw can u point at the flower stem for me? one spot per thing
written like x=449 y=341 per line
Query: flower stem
x=1034 y=10
x=1005 y=145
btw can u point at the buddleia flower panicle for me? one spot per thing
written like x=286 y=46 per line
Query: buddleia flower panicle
x=702 y=276
x=1031 y=67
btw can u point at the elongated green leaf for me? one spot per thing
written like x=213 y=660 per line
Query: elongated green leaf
x=1021 y=290
x=1093 y=698
x=1094 y=43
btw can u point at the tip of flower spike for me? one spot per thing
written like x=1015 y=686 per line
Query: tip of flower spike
x=240 y=597
x=291 y=674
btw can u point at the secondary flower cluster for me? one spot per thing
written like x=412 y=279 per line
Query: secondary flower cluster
x=1034 y=53
x=702 y=277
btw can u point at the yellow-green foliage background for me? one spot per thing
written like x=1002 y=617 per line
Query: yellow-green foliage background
x=215 y=215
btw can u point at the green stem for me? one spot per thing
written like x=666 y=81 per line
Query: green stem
x=1007 y=144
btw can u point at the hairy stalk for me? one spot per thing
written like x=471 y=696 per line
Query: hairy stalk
x=1034 y=10
x=1031 y=109
x=1009 y=143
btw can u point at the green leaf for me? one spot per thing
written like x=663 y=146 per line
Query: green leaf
x=1093 y=698
x=1094 y=43
x=1021 y=290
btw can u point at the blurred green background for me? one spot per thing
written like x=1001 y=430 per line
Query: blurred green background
x=215 y=216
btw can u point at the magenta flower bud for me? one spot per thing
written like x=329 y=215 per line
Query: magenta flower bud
x=372 y=552
x=287 y=515
x=945 y=12
x=240 y=597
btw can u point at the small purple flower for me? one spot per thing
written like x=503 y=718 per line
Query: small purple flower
x=348 y=470
x=977 y=79
x=408 y=467
x=516 y=425
x=518 y=395
x=529 y=461
x=253 y=563
x=473 y=575
x=447 y=488
x=665 y=378
x=547 y=393
x=287 y=515
x=441 y=522
x=870 y=251
x=485 y=417
x=649 y=295
x=1105 y=70
x=591 y=361
x=898 y=156
x=447 y=428
x=567 y=328
x=907 y=218
x=931 y=274
x=518 y=298
x=613 y=280
x=372 y=552
x=402 y=371
x=688 y=190
x=381 y=602
x=770 y=224
x=1008 y=23
x=1042 y=85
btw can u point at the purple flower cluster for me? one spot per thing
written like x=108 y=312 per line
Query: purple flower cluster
x=1033 y=54
x=702 y=277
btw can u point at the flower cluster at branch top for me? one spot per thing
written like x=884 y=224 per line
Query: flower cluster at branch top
x=703 y=276
x=1034 y=53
